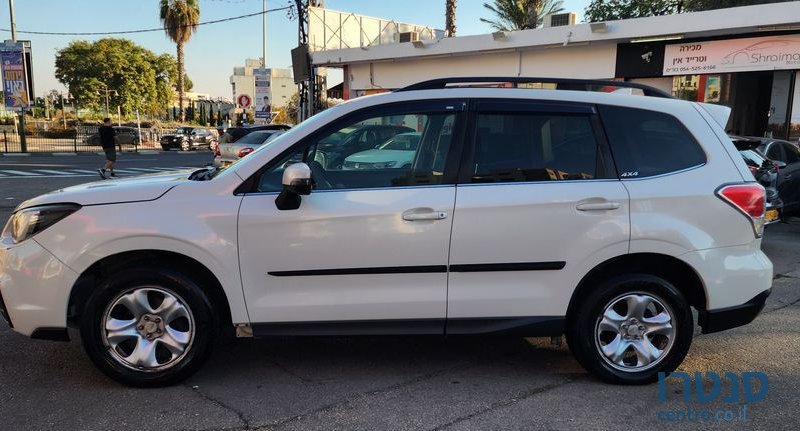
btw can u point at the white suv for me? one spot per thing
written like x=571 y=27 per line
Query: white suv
x=606 y=217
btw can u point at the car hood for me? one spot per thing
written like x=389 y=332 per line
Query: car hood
x=375 y=156
x=137 y=189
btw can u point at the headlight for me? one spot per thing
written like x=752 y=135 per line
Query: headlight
x=26 y=223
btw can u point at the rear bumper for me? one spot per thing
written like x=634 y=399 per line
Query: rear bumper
x=732 y=317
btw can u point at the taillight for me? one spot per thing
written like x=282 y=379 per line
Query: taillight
x=749 y=199
x=245 y=151
x=775 y=165
x=216 y=151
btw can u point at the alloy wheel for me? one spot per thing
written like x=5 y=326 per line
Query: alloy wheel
x=148 y=329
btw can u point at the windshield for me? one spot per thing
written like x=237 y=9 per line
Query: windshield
x=402 y=142
x=298 y=130
x=256 y=138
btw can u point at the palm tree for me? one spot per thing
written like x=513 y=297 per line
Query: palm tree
x=450 y=18
x=180 y=18
x=521 y=14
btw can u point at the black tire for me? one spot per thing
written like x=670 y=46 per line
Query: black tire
x=109 y=359
x=585 y=342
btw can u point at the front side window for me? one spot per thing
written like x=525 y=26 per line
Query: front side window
x=646 y=143
x=384 y=151
x=532 y=146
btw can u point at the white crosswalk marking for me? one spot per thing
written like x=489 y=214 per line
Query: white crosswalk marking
x=21 y=173
x=72 y=172
x=48 y=171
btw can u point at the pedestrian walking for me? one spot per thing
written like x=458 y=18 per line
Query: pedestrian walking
x=108 y=140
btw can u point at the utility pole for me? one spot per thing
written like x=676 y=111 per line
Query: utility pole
x=22 y=142
x=13 y=21
x=264 y=34
x=64 y=111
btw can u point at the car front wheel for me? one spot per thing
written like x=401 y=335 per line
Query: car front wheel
x=186 y=146
x=630 y=328
x=148 y=328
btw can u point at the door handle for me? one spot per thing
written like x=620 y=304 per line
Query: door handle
x=423 y=214
x=600 y=206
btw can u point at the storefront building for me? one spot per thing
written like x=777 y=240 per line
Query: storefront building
x=747 y=58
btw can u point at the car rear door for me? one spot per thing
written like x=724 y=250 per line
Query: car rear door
x=538 y=204
x=789 y=176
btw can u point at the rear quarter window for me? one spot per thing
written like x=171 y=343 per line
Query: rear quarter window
x=647 y=143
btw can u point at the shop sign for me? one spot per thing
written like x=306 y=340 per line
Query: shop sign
x=735 y=55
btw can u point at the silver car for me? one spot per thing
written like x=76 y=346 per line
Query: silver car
x=228 y=153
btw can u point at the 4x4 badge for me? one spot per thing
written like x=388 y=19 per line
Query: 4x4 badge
x=629 y=174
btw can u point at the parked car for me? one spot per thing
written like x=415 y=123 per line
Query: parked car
x=336 y=147
x=766 y=172
x=608 y=218
x=398 y=152
x=188 y=138
x=233 y=134
x=787 y=155
x=125 y=135
x=227 y=154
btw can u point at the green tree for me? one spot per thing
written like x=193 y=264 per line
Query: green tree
x=700 y=5
x=180 y=18
x=520 y=14
x=135 y=77
x=604 y=10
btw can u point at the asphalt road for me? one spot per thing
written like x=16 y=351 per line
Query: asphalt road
x=373 y=383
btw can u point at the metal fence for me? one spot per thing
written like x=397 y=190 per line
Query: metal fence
x=78 y=139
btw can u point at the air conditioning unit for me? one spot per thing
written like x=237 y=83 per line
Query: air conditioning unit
x=409 y=36
x=560 y=19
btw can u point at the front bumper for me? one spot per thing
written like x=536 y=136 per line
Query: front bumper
x=35 y=288
x=732 y=317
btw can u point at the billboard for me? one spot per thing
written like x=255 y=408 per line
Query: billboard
x=734 y=55
x=15 y=84
x=263 y=94
x=329 y=29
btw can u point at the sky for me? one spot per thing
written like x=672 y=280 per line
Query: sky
x=215 y=49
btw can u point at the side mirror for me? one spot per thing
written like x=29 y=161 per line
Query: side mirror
x=296 y=182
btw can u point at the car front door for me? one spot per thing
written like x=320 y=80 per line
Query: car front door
x=367 y=248
x=538 y=204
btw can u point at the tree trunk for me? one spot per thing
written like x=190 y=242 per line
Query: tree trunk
x=450 y=18
x=181 y=117
x=533 y=13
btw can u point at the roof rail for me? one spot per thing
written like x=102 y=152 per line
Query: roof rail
x=565 y=83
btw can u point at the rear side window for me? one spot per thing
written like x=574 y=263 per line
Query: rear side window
x=521 y=147
x=646 y=143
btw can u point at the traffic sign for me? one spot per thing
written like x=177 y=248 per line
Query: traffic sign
x=243 y=101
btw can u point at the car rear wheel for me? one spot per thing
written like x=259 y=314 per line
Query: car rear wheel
x=630 y=328
x=147 y=328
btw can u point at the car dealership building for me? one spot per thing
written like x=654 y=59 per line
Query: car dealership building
x=746 y=58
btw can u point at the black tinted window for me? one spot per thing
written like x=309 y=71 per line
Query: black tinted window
x=792 y=155
x=513 y=147
x=646 y=143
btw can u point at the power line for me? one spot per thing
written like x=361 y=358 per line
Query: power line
x=109 y=33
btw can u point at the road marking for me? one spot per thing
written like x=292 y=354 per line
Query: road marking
x=148 y=169
x=22 y=173
x=48 y=171
x=83 y=171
